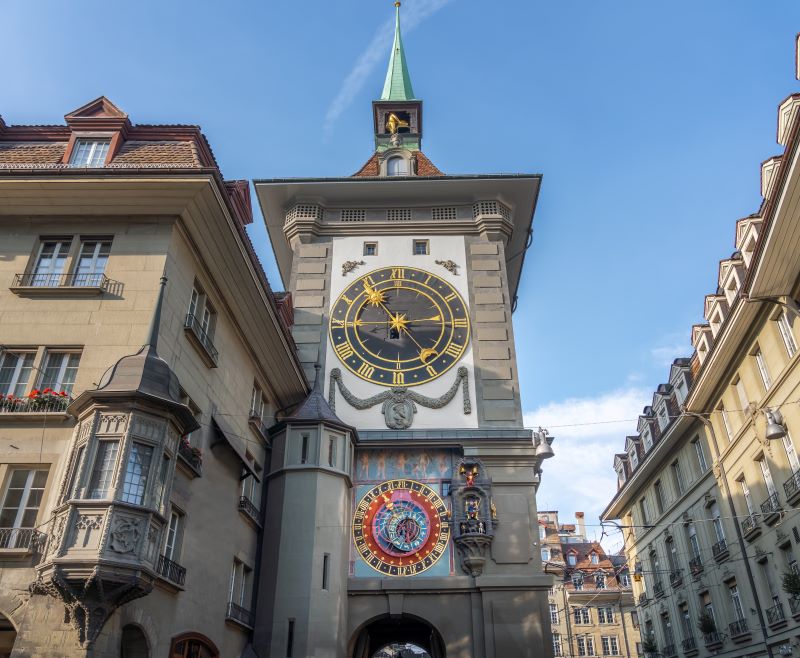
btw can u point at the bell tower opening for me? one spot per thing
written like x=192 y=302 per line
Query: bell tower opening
x=401 y=636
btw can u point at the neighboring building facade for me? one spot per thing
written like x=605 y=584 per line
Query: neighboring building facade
x=403 y=281
x=709 y=483
x=133 y=415
x=592 y=611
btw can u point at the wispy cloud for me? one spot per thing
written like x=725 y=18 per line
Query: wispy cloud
x=671 y=347
x=588 y=431
x=413 y=13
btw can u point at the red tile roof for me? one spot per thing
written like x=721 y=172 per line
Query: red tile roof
x=424 y=166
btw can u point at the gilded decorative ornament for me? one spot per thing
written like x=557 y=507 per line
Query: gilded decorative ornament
x=449 y=265
x=349 y=265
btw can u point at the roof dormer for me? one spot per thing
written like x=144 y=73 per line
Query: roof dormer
x=702 y=340
x=731 y=276
x=716 y=310
x=97 y=131
x=769 y=174
x=787 y=111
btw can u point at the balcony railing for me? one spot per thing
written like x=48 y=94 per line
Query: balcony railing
x=40 y=403
x=73 y=280
x=712 y=639
x=193 y=325
x=171 y=570
x=658 y=589
x=738 y=627
x=771 y=505
x=675 y=578
x=643 y=600
x=750 y=524
x=696 y=565
x=670 y=650
x=239 y=614
x=22 y=539
x=248 y=507
x=689 y=644
x=720 y=550
x=775 y=614
x=191 y=456
x=792 y=487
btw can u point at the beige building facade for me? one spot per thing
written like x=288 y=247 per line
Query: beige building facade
x=592 y=610
x=709 y=484
x=134 y=412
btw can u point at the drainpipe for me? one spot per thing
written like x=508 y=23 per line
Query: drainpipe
x=742 y=546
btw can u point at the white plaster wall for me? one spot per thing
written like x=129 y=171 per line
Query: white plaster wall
x=394 y=251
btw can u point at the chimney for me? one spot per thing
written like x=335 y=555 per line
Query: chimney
x=580 y=523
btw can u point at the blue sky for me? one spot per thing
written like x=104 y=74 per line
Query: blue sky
x=647 y=120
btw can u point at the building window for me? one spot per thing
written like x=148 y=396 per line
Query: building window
x=701 y=455
x=70 y=491
x=92 y=262
x=21 y=503
x=577 y=582
x=680 y=390
x=625 y=580
x=605 y=615
x=634 y=457
x=545 y=554
x=677 y=476
x=553 y=613
x=586 y=645
x=251 y=489
x=290 y=639
x=748 y=500
x=192 y=647
x=326 y=560
x=765 y=472
x=572 y=559
x=736 y=602
x=202 y=318
x=582 y=616
x=90 y=152
x=59 y=371
x=421 y=247
x=610 y=646
x=785 y=327
x=644 y=511
x=137 y=472
x=557 y=645
x=174 y=536
x=620 y=475
x=542 y=532
x=239 y=592
x=663 y=417
x=332 y=451
x=15 y=372
x=647 y=439
x=103 y=471
x=594 y=559
x=716 y=521
x=744 y=401
x=600 y=581
x=762 y=369
x=396 y=166
x=694 y=545
x=726 y=421
x=370 y=248
x=659 y=490
x=791 y=453
x=50 y=262
x=260 y=408
x=304 y=449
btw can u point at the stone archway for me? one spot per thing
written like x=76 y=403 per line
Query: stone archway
x=133 y=643
x=391 y=634
x=8 y=635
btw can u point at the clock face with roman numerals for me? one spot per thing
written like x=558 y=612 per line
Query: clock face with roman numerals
x=401 y=527
x=399 y=326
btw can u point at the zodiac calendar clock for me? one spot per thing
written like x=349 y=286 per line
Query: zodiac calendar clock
x=401 y=527
x=399 y=326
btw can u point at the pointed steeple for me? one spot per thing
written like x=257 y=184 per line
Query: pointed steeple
x=397 y=86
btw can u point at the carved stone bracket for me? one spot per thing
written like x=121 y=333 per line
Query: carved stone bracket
x=89 y=603
x=349 y=265
x=399 y=402
x=449 y=265
x=473 y=549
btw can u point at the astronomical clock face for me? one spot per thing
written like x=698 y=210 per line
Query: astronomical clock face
x=399 y=326
x=401 y=527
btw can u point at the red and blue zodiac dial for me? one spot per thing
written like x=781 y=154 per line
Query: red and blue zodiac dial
x=401 y=527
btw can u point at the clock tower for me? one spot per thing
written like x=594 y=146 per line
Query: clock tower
x=401 y=500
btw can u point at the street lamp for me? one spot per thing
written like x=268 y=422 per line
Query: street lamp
x=775 y=427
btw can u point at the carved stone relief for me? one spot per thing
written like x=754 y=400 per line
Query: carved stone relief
x=112 y=424
x=148 y=427
x=399 y=402
x=125 y=534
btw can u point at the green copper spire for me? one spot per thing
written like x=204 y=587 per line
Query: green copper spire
x=398 y=82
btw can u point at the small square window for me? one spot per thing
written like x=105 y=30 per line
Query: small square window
x=421 y=248
x=370 y=248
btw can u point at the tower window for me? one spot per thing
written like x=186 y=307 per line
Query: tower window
x=396 y=166
x=370 y=248
x=421 y=248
